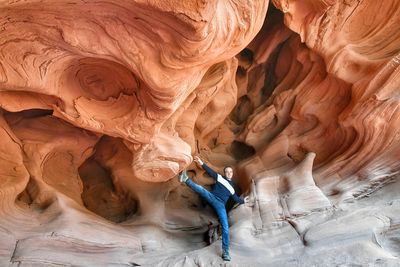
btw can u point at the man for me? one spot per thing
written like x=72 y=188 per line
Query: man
x=221 y=192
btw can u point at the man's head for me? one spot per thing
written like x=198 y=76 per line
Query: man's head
x=228 y=171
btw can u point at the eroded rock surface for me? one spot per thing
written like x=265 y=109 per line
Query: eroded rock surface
x=103 y=103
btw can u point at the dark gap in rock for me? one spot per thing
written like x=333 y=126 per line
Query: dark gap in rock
x=32 y=113
x=100 y=196
x=28 y=113
x=246 y=55
x=242 y=111
x=241 y=151
x=270 y=78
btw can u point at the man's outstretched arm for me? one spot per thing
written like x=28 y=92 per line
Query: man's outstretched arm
x=209 y=171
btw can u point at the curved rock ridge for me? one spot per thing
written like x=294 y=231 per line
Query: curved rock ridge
x=103 y=103
x=157 y=55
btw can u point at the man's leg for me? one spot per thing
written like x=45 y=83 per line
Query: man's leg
x=223 y=220
x=219 y=208
x=204 y=193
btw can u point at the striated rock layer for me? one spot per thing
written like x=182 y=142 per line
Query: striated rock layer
x=103 y=103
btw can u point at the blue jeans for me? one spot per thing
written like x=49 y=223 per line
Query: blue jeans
x=219 y=208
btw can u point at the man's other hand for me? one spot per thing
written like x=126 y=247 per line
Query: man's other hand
x=198 y=161
x=248 y=201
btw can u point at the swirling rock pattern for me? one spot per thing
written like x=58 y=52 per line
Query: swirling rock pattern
x=103 y=103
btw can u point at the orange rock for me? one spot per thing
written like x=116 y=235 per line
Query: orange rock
x=103 y=103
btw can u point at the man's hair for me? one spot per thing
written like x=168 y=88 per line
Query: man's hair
x=227 y=167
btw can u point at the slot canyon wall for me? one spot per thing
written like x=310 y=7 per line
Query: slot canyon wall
x=103 y=103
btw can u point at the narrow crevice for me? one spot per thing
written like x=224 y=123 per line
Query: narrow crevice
x=29 y=113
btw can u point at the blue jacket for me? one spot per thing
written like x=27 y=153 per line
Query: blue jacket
x=223 y=188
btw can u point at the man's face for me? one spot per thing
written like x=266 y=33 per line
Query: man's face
x=228 y=172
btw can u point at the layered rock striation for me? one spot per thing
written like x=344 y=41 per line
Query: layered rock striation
x=103 y=103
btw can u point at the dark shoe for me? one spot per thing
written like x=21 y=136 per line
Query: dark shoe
x=183 y=177
x=225 y=255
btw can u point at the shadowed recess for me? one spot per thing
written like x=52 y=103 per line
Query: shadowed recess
x=241 y=151
x=100 y=196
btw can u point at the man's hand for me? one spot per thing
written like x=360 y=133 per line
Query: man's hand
x=248 y=201
x=198 y=161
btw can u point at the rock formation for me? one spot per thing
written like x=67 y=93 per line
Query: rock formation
x=103 y=103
